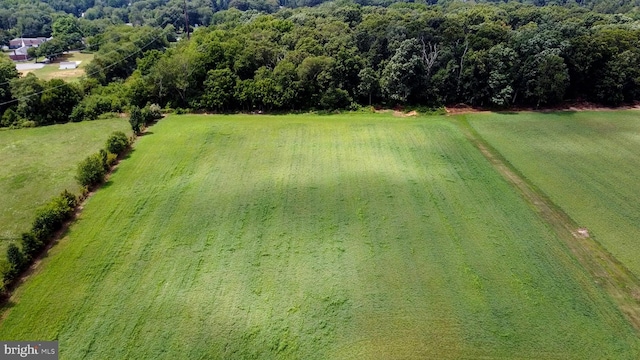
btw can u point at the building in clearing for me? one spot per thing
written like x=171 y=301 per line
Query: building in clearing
x=28 y=42
x=66 y=65
x=19 y=47
x=19 y=54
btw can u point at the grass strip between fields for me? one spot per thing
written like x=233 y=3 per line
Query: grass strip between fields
x=620 y=283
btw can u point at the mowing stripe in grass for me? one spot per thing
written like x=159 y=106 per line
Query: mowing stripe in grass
x=621 y=283
x=352 y=236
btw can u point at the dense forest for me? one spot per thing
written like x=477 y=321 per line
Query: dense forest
x=342 y=55
x=31 y=18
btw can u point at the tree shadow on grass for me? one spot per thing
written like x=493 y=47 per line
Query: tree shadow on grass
x=124 y=156
x=107 y=184
x=6 y=304
x=564 y=112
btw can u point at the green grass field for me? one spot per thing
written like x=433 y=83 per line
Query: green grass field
x=587 y=163
x=313 y=237
x=37 y=164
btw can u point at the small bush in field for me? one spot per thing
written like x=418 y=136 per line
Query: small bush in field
x=156 y=111
x=5 y=271
x=16 y=261
x=49 y=218
x=91 y=171
x=104 y=154
x=117 y=143
x=135 y=119
x=30 y=244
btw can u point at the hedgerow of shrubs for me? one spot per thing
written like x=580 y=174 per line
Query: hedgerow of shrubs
x=49 y=219
x=51 y=216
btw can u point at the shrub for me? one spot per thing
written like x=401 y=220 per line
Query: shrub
x=149 y=114
x=28 y=124
x=104 y=155
x=5 y=271
x=111 y=159
x=335 y=98
x=117 y=143
x=156 y=111
x=93 y=106
x=10 y=118
x=135 y=119
x=145 y=116
x=78 y=113
x=69 y=199
x=91 y=170
x=16 y=261
x=30 y=244
x=49 y=218
x=108 y=115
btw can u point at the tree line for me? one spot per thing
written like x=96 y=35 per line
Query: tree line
x=339 y=56
x=344 y=55
x=31 y=18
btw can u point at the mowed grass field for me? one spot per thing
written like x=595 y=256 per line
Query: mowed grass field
x=37 y=164
x=588 y=163
x=313 y=237
x=52 y=71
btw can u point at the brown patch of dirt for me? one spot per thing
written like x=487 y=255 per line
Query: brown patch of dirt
x=399 y=113
x=588 y=106
x=65 y=74
x=568 y=106
x=581 y=233
x=462 y=109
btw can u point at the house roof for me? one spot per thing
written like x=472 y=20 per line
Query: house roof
x=20 y=51
x=27 y=41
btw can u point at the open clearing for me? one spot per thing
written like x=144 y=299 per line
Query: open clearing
x=347 y=237
x=37 y=164
x=52 y=70
x=587 y=163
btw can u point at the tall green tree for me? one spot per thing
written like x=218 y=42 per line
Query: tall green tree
x=8 y=72
x=58 y=100
x=27 y=92
x=66 y=31
x=401 y=75
x=546 y=79
x=50 y=49
x=219 y=89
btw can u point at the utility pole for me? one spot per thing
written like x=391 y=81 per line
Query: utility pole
x=186 y=18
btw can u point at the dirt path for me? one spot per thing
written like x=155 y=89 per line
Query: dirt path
x=606 y=271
